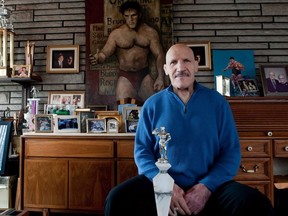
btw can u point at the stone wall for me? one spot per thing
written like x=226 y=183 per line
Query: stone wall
x=261 y=25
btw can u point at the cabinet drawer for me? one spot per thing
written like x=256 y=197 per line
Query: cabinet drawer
x=254 y=169
x=263 y=186
x=281 y=148
x=125 y=149
x=256 y=148
x=68 y=148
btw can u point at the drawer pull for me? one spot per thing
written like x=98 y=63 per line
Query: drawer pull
x=255 y=169
x=249 y=148
x=286 y=148
x=270 y=133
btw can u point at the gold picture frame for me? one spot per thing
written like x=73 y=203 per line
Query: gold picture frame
x=202 y=53
x=21 y=71
x=69 y=56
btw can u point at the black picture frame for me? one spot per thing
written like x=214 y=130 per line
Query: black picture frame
x=5 y=138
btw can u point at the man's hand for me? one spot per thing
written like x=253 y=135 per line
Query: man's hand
x=158 y=84
x=196 y=198
x=178 y=202
x=94 y=58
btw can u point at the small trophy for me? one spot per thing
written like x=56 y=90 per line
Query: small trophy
x=163 y=182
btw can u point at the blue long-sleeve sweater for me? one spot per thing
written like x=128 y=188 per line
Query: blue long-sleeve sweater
x=204 y=146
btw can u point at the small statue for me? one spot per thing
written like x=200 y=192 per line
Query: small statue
x=164 y=138
x=34 y=92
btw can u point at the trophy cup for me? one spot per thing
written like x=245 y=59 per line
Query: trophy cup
x=163 y=182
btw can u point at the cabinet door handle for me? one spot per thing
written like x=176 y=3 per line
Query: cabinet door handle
x=249 y=148
x=255 y=169
x=286 y=148
x=270 y=133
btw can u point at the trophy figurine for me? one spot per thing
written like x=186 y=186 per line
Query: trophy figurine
x=163 y=182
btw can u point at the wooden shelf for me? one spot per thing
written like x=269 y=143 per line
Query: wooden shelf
x=34 y=78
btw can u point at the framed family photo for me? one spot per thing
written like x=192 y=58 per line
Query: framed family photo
x=21 y=71
x=274 y=79
x=62 y=59
x=95 y=125
x=43 y=123
x=202 y=53
x=76 y=98
x=67 y=124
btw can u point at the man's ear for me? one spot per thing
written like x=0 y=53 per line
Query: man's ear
x=164 y=67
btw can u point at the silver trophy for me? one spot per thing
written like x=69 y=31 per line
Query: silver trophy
x=163 y=182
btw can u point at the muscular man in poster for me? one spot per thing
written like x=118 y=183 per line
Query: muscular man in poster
x=132 y=43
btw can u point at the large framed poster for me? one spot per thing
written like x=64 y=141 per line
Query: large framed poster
x=103 y=66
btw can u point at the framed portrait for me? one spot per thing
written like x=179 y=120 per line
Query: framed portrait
x=62 y=59
x=202 y=53
x=131 y=126
x=67 y=124
x=248 y=87
x=131 y=112
x=131 y=117
x=21 y=71
x=76 y=98
x=112 y=126
x=43 y=123
x=95 y=125
x=274 y=79
x=5 y=139
x=84 y=115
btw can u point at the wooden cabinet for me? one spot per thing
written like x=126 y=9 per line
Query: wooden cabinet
x=262 y=124
x=72 y=173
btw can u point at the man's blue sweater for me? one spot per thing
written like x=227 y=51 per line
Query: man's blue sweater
x=204 y=146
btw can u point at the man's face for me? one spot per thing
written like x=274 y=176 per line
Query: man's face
x=131 y=18
x=282 y=79
x=181 y=66
x=272 y=75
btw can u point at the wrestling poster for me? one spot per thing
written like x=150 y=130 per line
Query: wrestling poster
x=102 y=17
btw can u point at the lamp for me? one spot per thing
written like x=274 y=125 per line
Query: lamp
x=6 y=34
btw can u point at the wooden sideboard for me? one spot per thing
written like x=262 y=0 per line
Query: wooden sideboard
x=74 y=172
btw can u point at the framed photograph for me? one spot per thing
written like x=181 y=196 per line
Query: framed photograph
x=248 y=87
x=95 y=125
x=43 y=123
x=112 y=126
x=223 y=85
x=274 y=79
x=21 y=71
x=67 y=124
x=131 y=126
x=76 y=98
x=84 y=115
x=202 y=53
x=131 y=113
x=62 y=59
x=5 y=139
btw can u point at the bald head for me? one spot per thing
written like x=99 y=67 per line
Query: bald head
x=177 y=49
